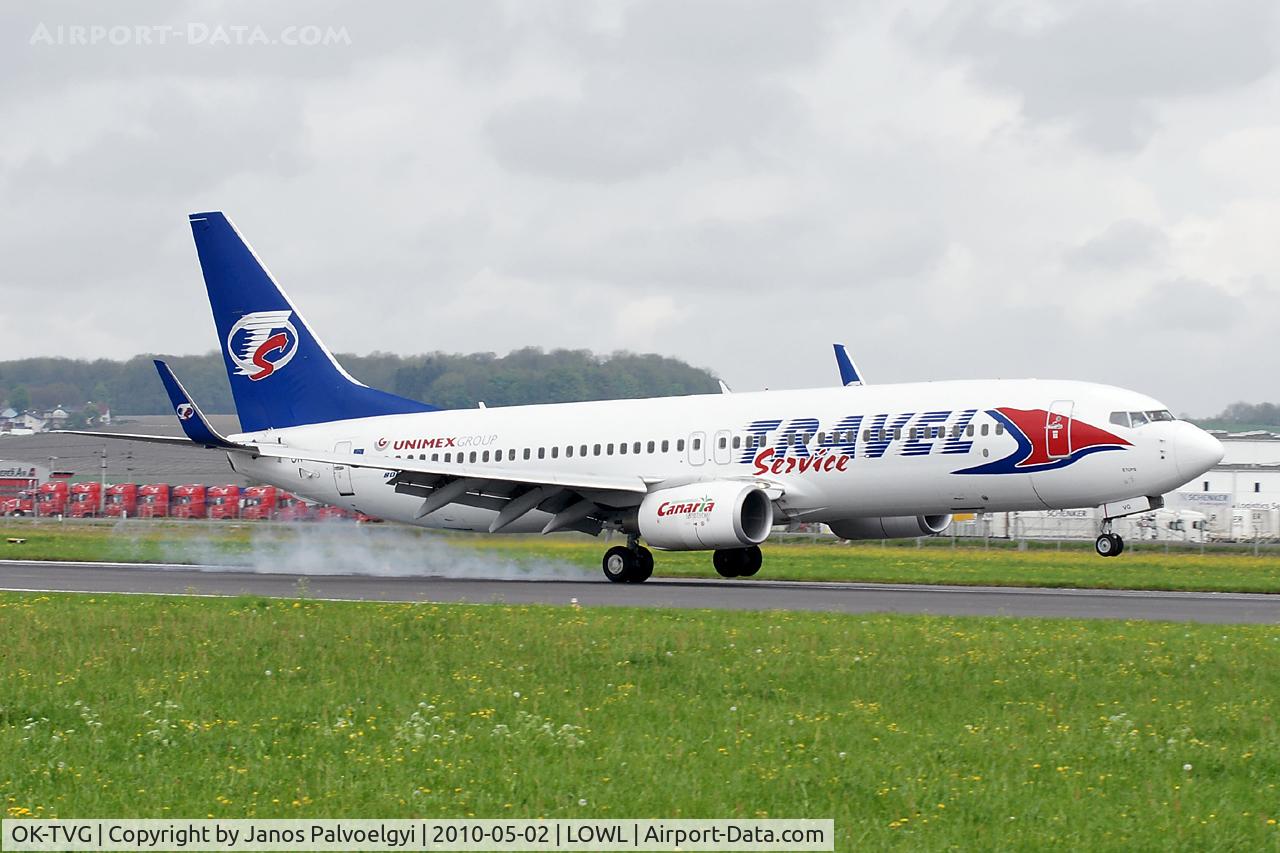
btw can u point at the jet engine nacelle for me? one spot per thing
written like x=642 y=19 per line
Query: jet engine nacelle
x=701 y=516
x=890 y=526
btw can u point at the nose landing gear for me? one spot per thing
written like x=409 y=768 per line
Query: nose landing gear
x=1108 y=544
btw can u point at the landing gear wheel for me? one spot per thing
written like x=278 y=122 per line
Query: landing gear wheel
x=752 y=560
x=619 y=564
x=1108 y=545
x=644 y=565
x=727 y=563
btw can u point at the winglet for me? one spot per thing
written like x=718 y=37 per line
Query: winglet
x=193 y=421
x=849 y=375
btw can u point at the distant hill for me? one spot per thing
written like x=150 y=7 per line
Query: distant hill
x=1244 y=417
x=442 y=379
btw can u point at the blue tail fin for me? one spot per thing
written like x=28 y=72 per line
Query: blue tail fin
x=281 y=374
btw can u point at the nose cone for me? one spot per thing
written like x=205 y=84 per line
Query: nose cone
x=1195 y=451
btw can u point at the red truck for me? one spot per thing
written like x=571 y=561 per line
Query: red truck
x=325 y=512
x=23 y=503
x=188 y=501
x=258 y=503
x=291 y=508
x=223 y=501
x=121 y=500
x=52 y=498
x=85 y=501
x=153 y=500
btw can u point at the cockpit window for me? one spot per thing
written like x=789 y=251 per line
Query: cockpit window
x=1137 y=419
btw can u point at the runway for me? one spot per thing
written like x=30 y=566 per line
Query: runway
x=158 y=579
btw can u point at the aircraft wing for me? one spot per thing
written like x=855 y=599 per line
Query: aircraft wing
x=573 y=499
x=129 y=436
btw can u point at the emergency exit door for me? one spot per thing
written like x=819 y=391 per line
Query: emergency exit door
x=342 y=473
x=1057 y=429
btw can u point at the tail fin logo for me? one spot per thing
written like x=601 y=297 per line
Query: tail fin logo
x=262 y=343
x=185 y=411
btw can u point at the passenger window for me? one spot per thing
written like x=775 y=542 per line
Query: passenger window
x=737 y=442
x=680 y=445
x=582 y=451
x=723 y=442
x=635 y=448
x=568 y=451
x=666 y=445
x=526 y=454
x=999 y=429
x=542 y=453
x=608 y=449
x=969 y=431
x=622 y=449
x=435 y=457
x=448 y=457
x=497 y=456
x=985 y=428
x=651 y=447
x=897 y=432
x=473 y=456
x=596 y=450
x=866 y=435
x=911 y=434
x=485 y=457
x=697 y=444
x=555 y=452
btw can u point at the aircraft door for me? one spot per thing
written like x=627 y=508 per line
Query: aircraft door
x=697 y=448
x=1057 y=429
x=722 y=450
x=342 y=473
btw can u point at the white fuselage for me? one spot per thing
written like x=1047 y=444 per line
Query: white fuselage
x=833 y=453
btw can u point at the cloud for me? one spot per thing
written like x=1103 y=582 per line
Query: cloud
x=1102 y=67
x=735 y=184
x=655 y=94
x=1126 y=243
x=1189 y=305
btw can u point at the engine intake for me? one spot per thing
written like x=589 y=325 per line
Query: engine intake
x=701 y=516
x=890 y=526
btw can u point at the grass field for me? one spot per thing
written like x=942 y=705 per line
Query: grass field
x=911 y=732
x=399 y=549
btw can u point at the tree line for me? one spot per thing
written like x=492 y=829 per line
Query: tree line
x=446 y=380
x=1239 y=417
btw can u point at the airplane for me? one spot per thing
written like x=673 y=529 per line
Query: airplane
x=711 y=472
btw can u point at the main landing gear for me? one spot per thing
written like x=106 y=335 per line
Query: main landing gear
x=1108 y=544
x=738 y=562
x=630 y=563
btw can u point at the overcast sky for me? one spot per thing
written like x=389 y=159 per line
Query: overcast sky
x=1080 y=189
